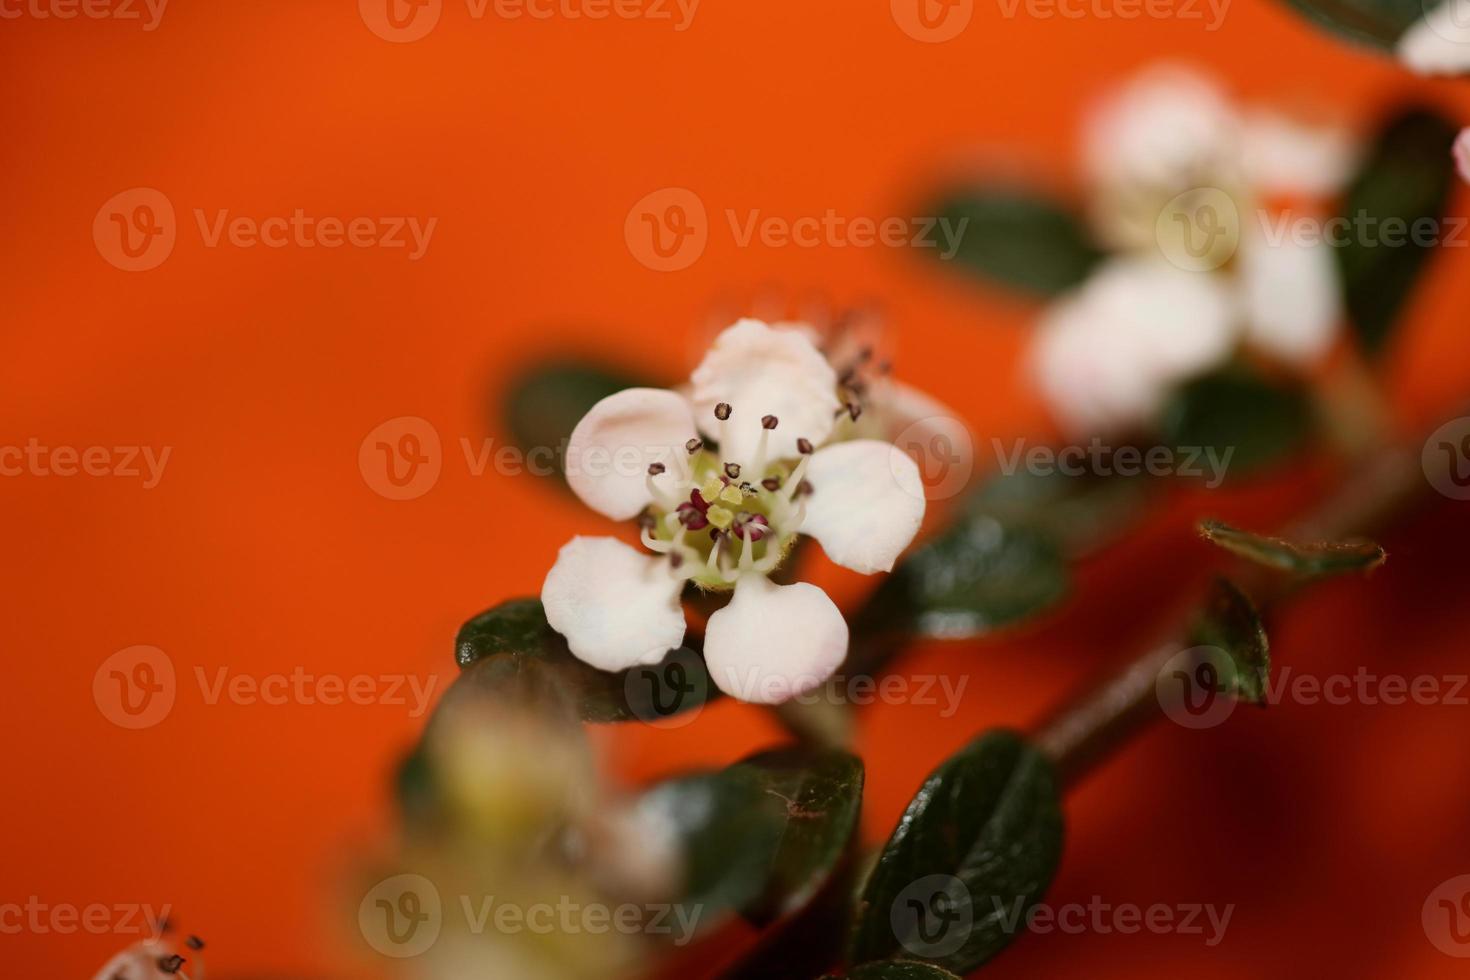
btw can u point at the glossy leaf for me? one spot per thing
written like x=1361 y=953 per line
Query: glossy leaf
x=512 y=644
x=1246 y=421
x=763 y=835
x=1231 y=623
x=984 y=834
x=1311 y=559
x=1406 y=183
x=1019 y=239
x=547 y=401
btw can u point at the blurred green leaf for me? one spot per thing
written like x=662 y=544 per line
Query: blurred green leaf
x=1018 y=239
x=822 y=791
x=984 y=833
x=546 y=402
x=894 y=970
x=974 y=577
x=1080 y=512
x=1314 y=559
x=1237 y=412
x=1229 y=622
x=512 y=646
x=1406 y=178
x=1375 y=22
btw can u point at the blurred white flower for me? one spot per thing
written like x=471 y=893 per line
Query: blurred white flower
x=726 y=518
x=154 y=959
x=1439 y=42
x=1462 y=154
x=1187 y=188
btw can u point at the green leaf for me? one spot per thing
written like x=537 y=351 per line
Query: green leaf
x=976 y=577
x=895 y=970
x=822 y=792
x=1247 y=421
x=975 y=849
x=1018 y=239
x=1376 y=22
x=547 y=401
x=1230 y=622
x=762 y=836
x=1080 y=512
x=512 y=645
x=1313 y=560
x=1406 y=179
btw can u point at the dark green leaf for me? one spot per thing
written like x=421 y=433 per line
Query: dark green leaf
x=512 y=645
x=1405 y=183
x=822 y=792
x=895 y=970
x=1018 y=239
x=1313 y=559
x=1230 y=623
x=1246 y=421
x=1376 y=22
x=547 y=401
x=1080 y=512
x=975 y=849
x=977 y=576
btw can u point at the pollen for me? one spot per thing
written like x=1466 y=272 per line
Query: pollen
x=720 y=517
x=732 y=495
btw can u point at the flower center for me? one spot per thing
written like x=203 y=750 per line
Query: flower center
x=723 y=518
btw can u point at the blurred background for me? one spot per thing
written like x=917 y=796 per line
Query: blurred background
x=267 y=547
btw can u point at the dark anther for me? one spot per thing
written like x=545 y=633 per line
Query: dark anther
x=170 y=964
x=194 y=942
x=722 y=411
x=804 y=446
x=694 y=445
x=732 y=470
x=769 y=422
x=771 y=483
x=654 y=469
x=647 y=521
x=675 y=559
x=803 y=488
x=854 y=410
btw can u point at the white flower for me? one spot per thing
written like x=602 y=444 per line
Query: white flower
x=1107 y=354
x=1182 y=179
x=1439 y=42
x=159 y=958
x=725 y=517
x=1462 y=154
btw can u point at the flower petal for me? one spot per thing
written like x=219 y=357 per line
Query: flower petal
x=1108 y=353
x=760 y=371
x=866 y=505
x=1293 y=297
x=1462 y=153
x=616 y=606
x=1284 y=156
x=613 y=445
x=1439 y=42
x=772 y=643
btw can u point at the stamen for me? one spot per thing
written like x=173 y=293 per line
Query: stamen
x=732 y=495
x=854 y=410
x=804 y=446
x=732 y=470
x=694 y=446
x=654 y=544
x=654 y=469
x=722 y=411
x=770 y=422
x=771 y=483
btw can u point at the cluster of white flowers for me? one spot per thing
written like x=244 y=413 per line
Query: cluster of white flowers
x=769 y=440
x=1182 y=182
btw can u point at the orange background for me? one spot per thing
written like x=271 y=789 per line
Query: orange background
x=264 y=549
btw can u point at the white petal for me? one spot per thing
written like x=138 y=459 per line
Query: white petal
x=1462 y=154
x=613 y=445
x=866 y=505
x=928 y=430
x=1284 y=156
x=774 y=642
x=616 y=606
x=1293 y=297
x=759 y=371
x=1439 y=42
x=1108 y=353
x=1167 y=125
